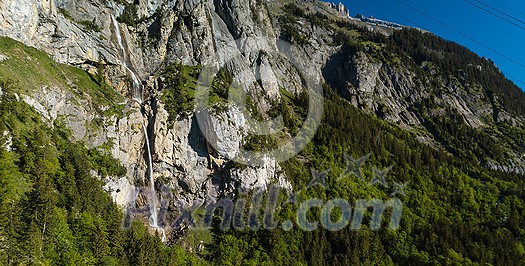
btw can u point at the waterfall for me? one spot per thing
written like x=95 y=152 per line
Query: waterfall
x=117 y=33
x=154 y=220
x=137 y=88
x=137 y=96
x=153 y=195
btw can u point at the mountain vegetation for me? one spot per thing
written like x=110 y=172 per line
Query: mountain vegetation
x=457 y=210
x=53 y=209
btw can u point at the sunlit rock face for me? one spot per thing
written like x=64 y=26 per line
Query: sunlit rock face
x=241 y=36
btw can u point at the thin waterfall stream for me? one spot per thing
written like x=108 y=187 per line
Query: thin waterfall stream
x=154 y=220
x=137 y=96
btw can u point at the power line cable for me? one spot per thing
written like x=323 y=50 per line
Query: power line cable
x=501 y=12
x=514 y=78
x=461 y=33
x=494 y=14
x=415 y=23
x=470 y=38
x=509 y=8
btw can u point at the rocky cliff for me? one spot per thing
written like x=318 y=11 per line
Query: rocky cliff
x=131 y=44
x=159 y=33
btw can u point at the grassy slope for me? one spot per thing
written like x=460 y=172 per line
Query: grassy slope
x=32 y=69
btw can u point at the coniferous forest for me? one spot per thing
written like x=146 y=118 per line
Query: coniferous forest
x=54 y=209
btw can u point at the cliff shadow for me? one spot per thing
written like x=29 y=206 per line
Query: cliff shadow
x=338 y=72
x=196 y=139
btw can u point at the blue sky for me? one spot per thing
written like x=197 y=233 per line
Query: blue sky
x=485 y=28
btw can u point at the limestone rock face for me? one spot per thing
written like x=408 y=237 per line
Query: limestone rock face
x=88 y=125
x=244 y=38
x=261 y=177
x=184 y=157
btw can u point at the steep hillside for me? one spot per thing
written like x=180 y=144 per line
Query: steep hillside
x=203 y=102
x=53 y=208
